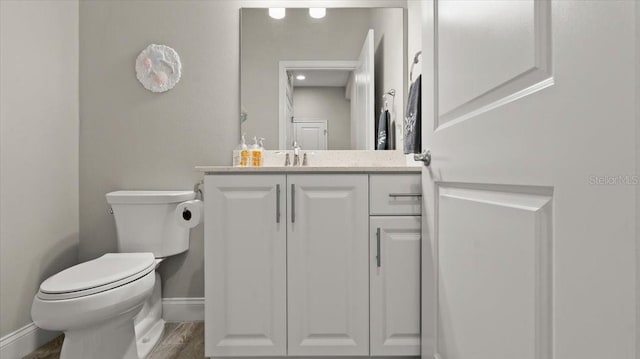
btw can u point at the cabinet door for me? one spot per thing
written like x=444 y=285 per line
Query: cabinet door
x=327 y=239
x=245 y=265
x=395 y=285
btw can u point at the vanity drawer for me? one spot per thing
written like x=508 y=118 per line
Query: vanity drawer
x=395 y=194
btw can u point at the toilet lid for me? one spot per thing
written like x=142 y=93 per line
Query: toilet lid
x=100 y=274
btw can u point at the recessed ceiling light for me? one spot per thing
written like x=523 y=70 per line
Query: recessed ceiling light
x=277 y=12
x=317 y=12
x=301 y=77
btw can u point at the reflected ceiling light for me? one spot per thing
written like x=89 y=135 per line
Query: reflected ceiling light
x=277 y=12
x=301 y=77
x=317 y=12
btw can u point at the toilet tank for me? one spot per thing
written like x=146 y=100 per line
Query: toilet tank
x=145 y=221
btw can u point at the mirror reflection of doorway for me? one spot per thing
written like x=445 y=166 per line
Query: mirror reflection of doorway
x=339 y=92
x=311 y=134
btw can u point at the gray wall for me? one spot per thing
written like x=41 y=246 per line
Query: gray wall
x=329 y=104
x=38 y=150
x=131 y=138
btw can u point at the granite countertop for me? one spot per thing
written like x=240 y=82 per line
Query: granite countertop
x=309 y=169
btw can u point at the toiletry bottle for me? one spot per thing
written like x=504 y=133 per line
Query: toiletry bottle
x=256 y=153
x=244 y=152
x=261 y=143
x=238 y=159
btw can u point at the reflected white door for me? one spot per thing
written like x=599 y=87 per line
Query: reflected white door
x=362 y=119
x=527 y=106
x=311 y=135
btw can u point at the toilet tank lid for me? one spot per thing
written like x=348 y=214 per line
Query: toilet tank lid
x=149 y=197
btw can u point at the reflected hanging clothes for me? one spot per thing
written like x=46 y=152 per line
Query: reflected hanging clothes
x=382 y=141
x=413 y=119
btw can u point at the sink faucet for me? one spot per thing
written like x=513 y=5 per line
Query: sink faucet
x=296 y=153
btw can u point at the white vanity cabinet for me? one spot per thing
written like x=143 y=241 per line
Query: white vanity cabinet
x=291 y=265
x=395 y=285
x=328 y=294
x=394 y=261
x=245 y=265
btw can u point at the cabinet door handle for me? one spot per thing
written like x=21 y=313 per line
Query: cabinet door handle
x=393 y=195
x=293 y=203
x=278 y=203
x=378 y=254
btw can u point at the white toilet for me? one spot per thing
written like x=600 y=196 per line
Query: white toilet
x=111 y=307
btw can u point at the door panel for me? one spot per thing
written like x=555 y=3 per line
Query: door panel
x=512 y=108
x=494 y=281
x=328 y=294
x=245 y=250
x=480 y=66
x=395 y=285
x=311 y=135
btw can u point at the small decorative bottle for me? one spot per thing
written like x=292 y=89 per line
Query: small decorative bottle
x=241 y=154
x=256 y=153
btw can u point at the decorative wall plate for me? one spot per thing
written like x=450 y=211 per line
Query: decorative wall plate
x=158 y=68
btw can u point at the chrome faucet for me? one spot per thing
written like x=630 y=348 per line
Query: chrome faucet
x=296 y=153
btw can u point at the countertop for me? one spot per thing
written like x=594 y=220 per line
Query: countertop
x=308 y=169
x=328 y=162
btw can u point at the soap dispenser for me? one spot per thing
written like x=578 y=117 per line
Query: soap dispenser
x=261 y=143
x=241 y=154
x=256 y=153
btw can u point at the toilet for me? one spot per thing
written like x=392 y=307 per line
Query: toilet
x=111 y=306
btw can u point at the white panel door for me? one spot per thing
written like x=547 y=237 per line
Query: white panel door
x=311 y=135
x=527 y=108
x=362 y=121
x=245 y=265
x=328 y=265
x=395 y=285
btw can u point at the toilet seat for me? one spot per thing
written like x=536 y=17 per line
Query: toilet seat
x=101 y=274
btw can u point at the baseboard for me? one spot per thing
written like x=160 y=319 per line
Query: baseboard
x=23 y=341
x=183 y=309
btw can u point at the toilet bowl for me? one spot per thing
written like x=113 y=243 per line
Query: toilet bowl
x=111 y=307
x=95 y=304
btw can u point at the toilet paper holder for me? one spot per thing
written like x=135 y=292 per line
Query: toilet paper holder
x=197 y=188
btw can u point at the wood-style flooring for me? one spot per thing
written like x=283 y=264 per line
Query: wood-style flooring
x=180 y=341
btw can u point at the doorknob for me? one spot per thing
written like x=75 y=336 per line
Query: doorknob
x=425 y=157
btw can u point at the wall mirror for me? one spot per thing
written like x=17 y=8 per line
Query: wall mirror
x=323 y=77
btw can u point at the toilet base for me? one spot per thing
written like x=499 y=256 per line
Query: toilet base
x=149 y=325
x=113 y=339
x=149 y=341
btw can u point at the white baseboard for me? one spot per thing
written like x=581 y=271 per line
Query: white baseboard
x=183 y=309
x=23 y=341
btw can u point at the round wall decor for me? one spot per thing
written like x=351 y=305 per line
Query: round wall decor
x=158 y=68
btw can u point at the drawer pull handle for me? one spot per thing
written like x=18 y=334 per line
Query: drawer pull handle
x=277 y=203
x=293 y=203
x=378 y=254
x=394 y=195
